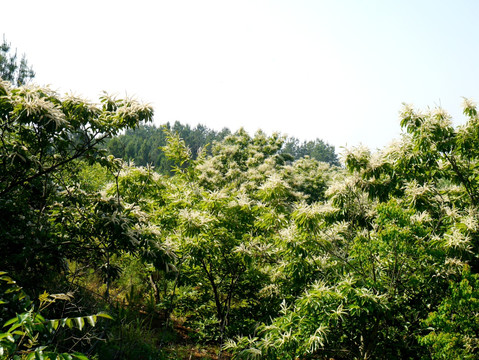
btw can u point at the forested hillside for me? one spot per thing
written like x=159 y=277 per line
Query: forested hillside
x=240 y=251
x=143 y=145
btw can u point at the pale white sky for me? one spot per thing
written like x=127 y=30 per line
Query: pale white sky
x=338 y=70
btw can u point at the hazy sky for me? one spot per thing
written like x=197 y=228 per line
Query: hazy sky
x=337 y=70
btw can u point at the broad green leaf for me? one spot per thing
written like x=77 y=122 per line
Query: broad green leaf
x=91 y=319
x=80 y=356
x=104 y=315
x=39 y=318
x=55 y=324
x=79 y=322
x=23 y=317
x=7 y=279
x=11 y=321
x=14 y=326
x=67 y=322
x=8 y=336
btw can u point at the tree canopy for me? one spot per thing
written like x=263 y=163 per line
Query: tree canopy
x=142 y=145
x=13 y=69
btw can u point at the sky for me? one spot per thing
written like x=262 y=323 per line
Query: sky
x=337 y=70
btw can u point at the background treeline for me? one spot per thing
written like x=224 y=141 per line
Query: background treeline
x=143 y=145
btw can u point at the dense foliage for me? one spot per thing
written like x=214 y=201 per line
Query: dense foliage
x=239 y=247
x=397 y=239
x=11 y=68
x=143 y=145
x=49 y=221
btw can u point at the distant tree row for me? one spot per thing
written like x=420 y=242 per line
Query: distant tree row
x=143 y=145
x=315 y=149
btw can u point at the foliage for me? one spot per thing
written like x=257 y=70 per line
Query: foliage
x=11 y=69
x=397 y=229
x=315 y=149
x=28 y=331
x=143 y=145
x=52 y=215
x=453 y=327
x=43 y=138
x=238 y=243
x=219 y=212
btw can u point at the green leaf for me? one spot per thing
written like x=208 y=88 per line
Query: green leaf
x=7 y=279
x=14 y=326
x=39 y=318
x=91 y=319
x=55 y=324
x=9 y=322
x=104 y=315
x=22 y=317
x=79 y=322
x=67 y=322
x=80 y=356
x=8 y=336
